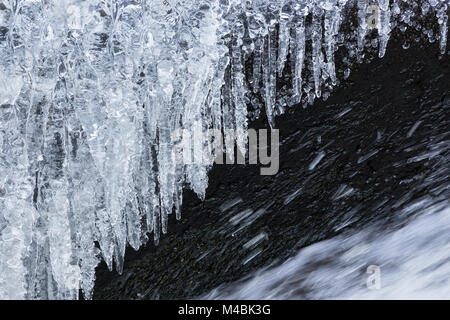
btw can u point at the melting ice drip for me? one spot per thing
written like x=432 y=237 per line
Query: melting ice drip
x=90 y=92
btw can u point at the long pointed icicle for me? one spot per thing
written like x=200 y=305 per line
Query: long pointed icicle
x=331 y=26
x=362 y=19
x=299 y=54
x=442 y=17
x=317 y=60
x=385 y=26
x=283 y=37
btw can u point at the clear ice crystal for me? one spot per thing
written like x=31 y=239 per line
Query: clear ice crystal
x=91 y=92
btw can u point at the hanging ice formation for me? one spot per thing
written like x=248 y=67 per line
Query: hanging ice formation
x=90 y=92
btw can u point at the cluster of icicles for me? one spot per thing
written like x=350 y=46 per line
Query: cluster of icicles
x=90 y=92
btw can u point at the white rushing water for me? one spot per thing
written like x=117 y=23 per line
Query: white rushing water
x=408 y=262
x=406 y=258
x=91 y=91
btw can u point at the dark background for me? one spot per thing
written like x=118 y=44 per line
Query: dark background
x=387 y=97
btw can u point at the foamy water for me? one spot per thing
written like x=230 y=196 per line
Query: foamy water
x=413 y=262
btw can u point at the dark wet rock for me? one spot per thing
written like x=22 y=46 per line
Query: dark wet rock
x=388 y=112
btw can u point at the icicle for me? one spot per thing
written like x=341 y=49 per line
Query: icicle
x=362 y=18
x=270 y=60
x=299 y=54
x=332 y=24
x=442 y=17
x=283 y=37
x=228 y=113
x=317 y=49
x=17 y=215
x=238 y=89
x=257 y=64
x=385 y=26
x=269 y=69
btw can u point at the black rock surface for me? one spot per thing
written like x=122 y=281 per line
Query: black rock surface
x=363 y=130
